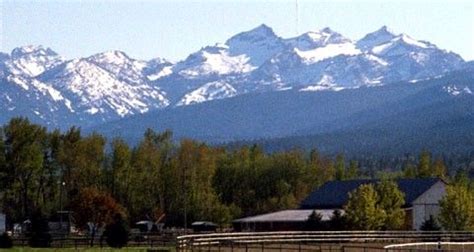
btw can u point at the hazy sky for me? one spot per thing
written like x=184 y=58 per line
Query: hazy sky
x=174 y=29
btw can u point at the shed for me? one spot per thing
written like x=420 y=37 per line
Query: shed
x=294 y=219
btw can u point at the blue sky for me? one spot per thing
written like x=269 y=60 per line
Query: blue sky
x=174 y=29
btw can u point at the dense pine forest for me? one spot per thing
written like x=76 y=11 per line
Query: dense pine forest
x=45 y=171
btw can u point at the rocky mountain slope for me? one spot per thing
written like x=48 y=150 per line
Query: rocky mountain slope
x=38 y=83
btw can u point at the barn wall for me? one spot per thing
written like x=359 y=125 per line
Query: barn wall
x=428 y=204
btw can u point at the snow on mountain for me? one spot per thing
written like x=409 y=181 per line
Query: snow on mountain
x=258 y=45
x=112 y=85
x=328 y=51
x=210 y=91
x=314 y=39
x=326 y=83
x=456 y=90
x=375 y=38
x=32 y=60
x=115 y=90
x=400 y=45
x=120 y=65
x=158 y=68
x=213 y=60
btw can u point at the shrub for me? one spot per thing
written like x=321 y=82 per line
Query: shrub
x=430 y=225
x=117 y=232
x=5 y=241
x=40 y=237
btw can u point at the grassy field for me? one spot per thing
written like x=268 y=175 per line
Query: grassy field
x=131 y=249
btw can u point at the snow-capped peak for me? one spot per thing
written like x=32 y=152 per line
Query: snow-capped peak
x=314 y=39
x=209 y=91
x=455 y=90
x=258 y=33
x=112 y=57
x=258 y=44
x=409 y=40
x=32 y=49
x=213 y=60
x=380 y=36
x=33 y=60
x=400 y=45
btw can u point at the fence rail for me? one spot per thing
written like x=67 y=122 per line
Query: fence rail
x=149 y=241
x=302 y=241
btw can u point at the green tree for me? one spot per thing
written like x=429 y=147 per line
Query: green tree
x=409 y=171
x=439 y=169
x=150 y=161
x=424 y=165
x=117 y=232
x=430 y=225
x=391 y=200
x=340 y=167
x=315 y=222
x=457 y=209
x=24 y=144
x=119 y=175
x=337 y=221
x=353 y=171
x=362 y=209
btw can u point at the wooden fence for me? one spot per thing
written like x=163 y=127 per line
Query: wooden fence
x=316 y=241
x=145 y=240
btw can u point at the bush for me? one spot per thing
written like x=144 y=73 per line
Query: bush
x=5 y=241
x=314 y=222
x=116 y=234
x=337 y=221
x=40 y=237
x=430 y=225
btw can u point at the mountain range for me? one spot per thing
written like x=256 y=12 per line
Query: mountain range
x=255 y=85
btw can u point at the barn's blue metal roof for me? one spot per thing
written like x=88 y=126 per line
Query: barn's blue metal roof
x=334 y=194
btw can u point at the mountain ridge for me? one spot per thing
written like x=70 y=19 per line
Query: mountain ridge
x=107 y=86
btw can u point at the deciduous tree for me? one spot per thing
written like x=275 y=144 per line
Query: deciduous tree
x=457 y=209
x=362 y=209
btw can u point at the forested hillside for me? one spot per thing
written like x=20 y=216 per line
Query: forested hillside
x=45 y=171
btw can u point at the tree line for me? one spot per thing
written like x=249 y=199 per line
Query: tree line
x=45 y=171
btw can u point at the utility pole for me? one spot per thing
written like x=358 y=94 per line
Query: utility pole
x=61 y=185
x=185 y=200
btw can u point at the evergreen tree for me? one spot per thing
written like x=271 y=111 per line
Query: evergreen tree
x=439 y=169
x=353 y=171
x=116 y=233
x=424 y=165
x=337 y=221
x=40 y=237
x=340 y=167
x=315 y=222
x=430 y=225
x=409 y=171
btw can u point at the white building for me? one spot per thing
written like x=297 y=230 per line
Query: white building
x=422 y=198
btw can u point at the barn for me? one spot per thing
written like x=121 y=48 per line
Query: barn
x=422 y=197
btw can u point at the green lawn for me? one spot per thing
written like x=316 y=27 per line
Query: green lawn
x=134 y=249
